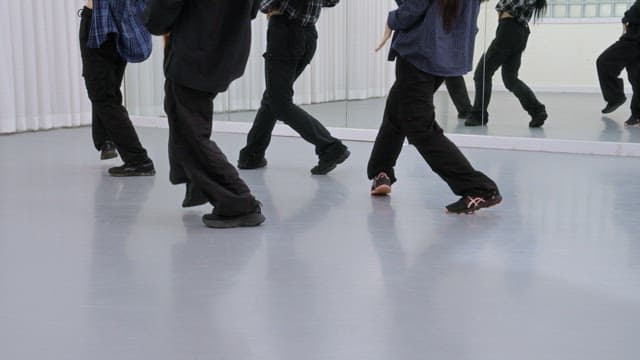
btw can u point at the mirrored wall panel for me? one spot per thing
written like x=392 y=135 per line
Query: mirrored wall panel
x=545 y=65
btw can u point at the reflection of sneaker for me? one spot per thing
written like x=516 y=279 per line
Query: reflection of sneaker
x=108 y=151
x=142 y=169
x=633 y=121
x=538 y=119
x=473 y=120
x=471 y=204
x=381 y=185
x=613 y=106
x=250 y=164
x=324 y=166
x=254 y=218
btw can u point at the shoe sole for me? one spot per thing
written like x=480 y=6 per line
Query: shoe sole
x=108 y=156
x=632 y=125
x=338 y=161
x=244 y=167
x=146 y=173
x=614 y=108
x=381 y=190
x=242 y=221
x=472 y=211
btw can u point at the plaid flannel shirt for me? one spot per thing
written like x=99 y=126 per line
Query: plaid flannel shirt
x=121 y=17
x=521 y=10
x=306 y=12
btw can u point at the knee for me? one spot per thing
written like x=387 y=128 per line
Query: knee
x=279 y=106
x=509 y=81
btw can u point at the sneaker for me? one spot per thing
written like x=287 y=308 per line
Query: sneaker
x=254 y=218
x=381 y=185
x=464 y=115
x=108 y=151
x=633 y=121
x=471 y=204
x=538 y=119
x=141 y=169
x=325 y=166
x=250 y=164
x=194 y=197
x=613 y=106
x=476 y=121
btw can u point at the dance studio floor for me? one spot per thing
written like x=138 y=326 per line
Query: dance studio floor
x=99 y=268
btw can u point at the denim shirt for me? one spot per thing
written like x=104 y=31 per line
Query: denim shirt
x=121 y=17
x=420 y=37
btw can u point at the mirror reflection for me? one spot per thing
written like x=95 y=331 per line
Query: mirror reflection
x=541 y=77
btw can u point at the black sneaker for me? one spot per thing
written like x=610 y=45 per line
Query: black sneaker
x=325 y=166
x=538 y=119
x=464 y=115
x=471 y=204
x=476 y=121
x=254 y=218
x=194 y=197
x=613 y=106
x=633 y=121
x=250 y=164
x=381 y=185
x=108 y=151
x=142 y=169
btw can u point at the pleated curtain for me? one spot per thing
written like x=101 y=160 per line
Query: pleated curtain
x=40 y=67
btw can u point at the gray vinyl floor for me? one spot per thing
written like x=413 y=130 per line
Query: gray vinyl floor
x=572 y=116
x=93 y=267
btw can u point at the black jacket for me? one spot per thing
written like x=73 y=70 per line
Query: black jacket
x=632 y=18
x=210 y=39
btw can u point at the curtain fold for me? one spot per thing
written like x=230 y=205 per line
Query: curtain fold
x=40 y=66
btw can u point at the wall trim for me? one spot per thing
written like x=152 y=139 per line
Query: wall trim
x=462 y=140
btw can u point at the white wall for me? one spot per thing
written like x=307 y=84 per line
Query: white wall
x=560 y=56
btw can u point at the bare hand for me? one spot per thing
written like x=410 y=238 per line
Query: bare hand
x=387 y=35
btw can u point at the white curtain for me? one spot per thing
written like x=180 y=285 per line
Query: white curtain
x=345 y=66
x=40 y=66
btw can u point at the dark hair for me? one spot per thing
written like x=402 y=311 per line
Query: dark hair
x=539 y=9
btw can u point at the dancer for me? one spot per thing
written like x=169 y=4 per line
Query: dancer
x=208 y=48
x=506 y=51
x=111 y=34
x=421 y=28
x=457 y=89
x=291 y=45
x=624 y=53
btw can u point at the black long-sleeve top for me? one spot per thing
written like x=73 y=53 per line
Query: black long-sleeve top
x=210 y=39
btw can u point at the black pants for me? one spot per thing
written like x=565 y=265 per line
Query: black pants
x=622 y=54
x=410 y=113
x=457 y=89
x=506 y=51
x=103 y=71
x=195 y=158
x=290 y=49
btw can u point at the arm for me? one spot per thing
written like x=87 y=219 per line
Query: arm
x=255 y=8
x=160 y=15
x=632 y=16
x=407 y=14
